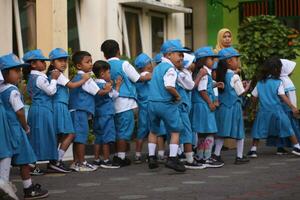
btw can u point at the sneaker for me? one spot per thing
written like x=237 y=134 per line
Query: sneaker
x=109 y=165
x=296 y=151
x=138 y=160
x=58 y=166
x=239 y=161
x=213 y=163
x=97 y=163
x=74 y=166
x=35 y=192
x=161 y=159
x=152 y=162
x=182 y=157
x=7 y=191
x=281 y=151
x=36 y=171
x=217 y=158
x=176 y=164
x=252 y=154
x=121 y=162
x=85 y=167
x=194 y=165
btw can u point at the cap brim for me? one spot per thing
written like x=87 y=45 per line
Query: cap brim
x=16 y=66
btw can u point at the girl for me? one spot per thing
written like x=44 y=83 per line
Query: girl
x=271 y=119
x=229 y=115
x=62 y=117
x=204 y=106
x=23 y=154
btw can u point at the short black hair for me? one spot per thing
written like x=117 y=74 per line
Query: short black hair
x=270 y=69
x=110 y=48
x=78 y=56
x=100 y=66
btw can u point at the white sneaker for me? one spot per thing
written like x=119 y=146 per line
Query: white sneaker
x=7 y=191
x=86 y=167
x=74 y=166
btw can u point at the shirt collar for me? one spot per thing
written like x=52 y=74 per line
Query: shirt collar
x=164 y=59
x=100 y=80
x=35 y=72
x=5 y=86
x=208 y=70
x=113 y=58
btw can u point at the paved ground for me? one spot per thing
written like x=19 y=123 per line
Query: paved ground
x=268 y=177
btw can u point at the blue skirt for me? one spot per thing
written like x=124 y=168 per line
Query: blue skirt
x=62 y=119
x=6 y=150
x=42 y=136
x=230 y=121
x=203 y=119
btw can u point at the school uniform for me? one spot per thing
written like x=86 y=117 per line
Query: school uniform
x=82 y=106
x=104 y=124
x=22 y=150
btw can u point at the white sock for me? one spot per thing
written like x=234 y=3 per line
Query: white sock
x=161 y=153
x=151 y=149
x=5 y=168
x=138 y=154
x=97 y=160
x=61 y=154
x=121 y=155
x=27 y=183
x=180 y=150
x=208 y=145
x=297 y=146
x=219 y=144
x=253 y=148
x=189 y=157
x=173 y=150
x=240 y=148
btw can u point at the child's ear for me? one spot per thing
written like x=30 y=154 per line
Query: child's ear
x=78 y=66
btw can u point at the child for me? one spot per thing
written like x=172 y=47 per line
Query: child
x=40 y=115
x=126 y=102
x=271 y=119
x=229 y=115
x=204 y=106
x=63 y=125
x=164 y=102
x=12 y=101
x=82 y=107
x=103 y=123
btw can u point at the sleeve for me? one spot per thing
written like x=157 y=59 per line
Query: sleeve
x=113 y=94
x=186 y=80
x=254 y=92
x=1 y=78
x=280 y=90
x=43 y=84
x=15 y=100
x=91 y=87
x=216 y=91
x=62 y=80
x=170 y=78
x=292 y=96
x=203 y=83
x=237 y=84
x=131 y=72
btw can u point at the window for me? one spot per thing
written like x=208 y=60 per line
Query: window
x=158 y=32
x=188 y=26
x=73 y=36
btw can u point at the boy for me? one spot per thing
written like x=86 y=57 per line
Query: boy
x=126 y=102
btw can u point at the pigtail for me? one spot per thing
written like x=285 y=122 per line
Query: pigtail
x=221 y=72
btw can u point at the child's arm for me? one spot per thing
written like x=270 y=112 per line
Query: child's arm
x=106 y=89
x=49 y=88
x=77 y=84
x=170 y=82
x=202 y=88
x=21 y=116
x=286 y=100
x=133 y=75
x=118 y=83
x=173 y=92
x=202 y=72
x=185 y=79
x=238 y=86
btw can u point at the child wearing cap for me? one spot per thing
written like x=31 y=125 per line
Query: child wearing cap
x=103 y=122
x=40 y=115
x=63 y=125
x=22 y=154
x=126 y=102
x=229 y=115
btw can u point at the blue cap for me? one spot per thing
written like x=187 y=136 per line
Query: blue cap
x=157 y=58
x=36 y=54
x=11 y=61
x=142 y=60
x=58 y=53
x=172 y=46
x=227 y=53
x=205 y=52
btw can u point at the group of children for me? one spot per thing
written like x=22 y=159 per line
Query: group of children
x=186 y=100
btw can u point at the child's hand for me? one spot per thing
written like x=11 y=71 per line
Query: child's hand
x=148 y=76
x=212 y=106
x=86 y=76
x=220 y=85
x=108 y=87
x=55 y=74
x=27 y=130
x=119 y=81
x=296 y=112
x=246 y=85
x=177 y=99
x=217 y=103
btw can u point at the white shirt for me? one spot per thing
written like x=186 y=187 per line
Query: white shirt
x=185 y=79
x=113 y=93
x=14 y=98
x=1 y=77
x=280 y=90
x=236 y=83
x=90 y=85
x=62 y=80
x=123 y=104
x=204 y=80
x=171 y=75
x=43 y=83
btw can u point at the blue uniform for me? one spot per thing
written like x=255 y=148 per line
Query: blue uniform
x=6 y=140
x=229 y=115
x=104 y=124
x=22 y=150
x=42 y=136
x=271 y=119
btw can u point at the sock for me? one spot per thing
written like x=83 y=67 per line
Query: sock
x=61 y=154
x=219 y=145
x=180 y=149
x=173 y=150
x=208 y=144
x=297 y=146
x=253 y=148
x=240 y=148
x=200 y=149
x=151 y=149
x=189 y=157
x=106 y=160
x=27 y=183
x=138 y=154
x=161 y=153
x=5 y=168
x=97 y=160
x=121 y=155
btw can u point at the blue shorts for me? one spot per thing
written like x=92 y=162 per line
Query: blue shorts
x=124 y=123
x=167 y=112
x=104 y=129
x=186 y=135
x=143 y=123
x=81 y=125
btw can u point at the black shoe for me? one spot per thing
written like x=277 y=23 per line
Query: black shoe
x=281 y=151
x=194 y=165
x=182 y=157
x=36 y=171
x=239 y=161
x=152 y=162
x=109 y=165
x=252 y=154
x=35 y=192
x=58 y=166
x=296 y=151
x=138 y=160
x=121 y=162
x=174 y=163
x=97 y=163
x=213 y=163
x=217 y=158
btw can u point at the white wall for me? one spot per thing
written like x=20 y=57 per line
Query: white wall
x=6 y=27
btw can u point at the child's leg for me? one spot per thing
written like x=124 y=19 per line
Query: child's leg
x=106 y=151
x=174 y=144
x=80 y=152
x=161 y=146
x=200 y=148
x=25 y=175
x=219 y=144
x=5 y=168
x=122 y=147
x=240 y=148
x=188 y=151
x=152 y=140
x=138 y=147
x=96 y=151
x=208 y=145
x=66 y=142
